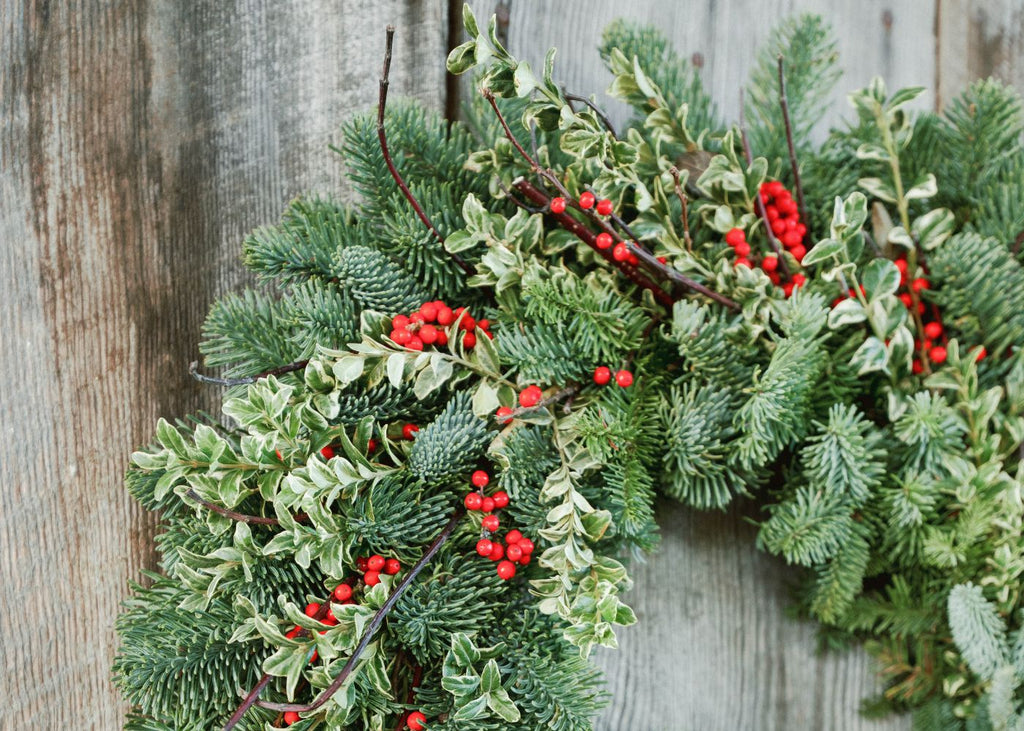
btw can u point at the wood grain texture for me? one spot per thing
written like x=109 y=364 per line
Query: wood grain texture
x=978 y=39
x=875 y=37
x=140 y=141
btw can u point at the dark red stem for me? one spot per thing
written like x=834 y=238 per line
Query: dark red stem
x=193 y=370
x=382 y=101
x=240 y=517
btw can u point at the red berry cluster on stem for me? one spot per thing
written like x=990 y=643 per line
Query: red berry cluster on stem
x=516 y=548
x=784 y=217
x=437 y=324
x=603 y=376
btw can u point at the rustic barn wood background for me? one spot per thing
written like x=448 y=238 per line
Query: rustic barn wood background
x=140 y=141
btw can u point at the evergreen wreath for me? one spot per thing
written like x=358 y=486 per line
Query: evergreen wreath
x=468 y=388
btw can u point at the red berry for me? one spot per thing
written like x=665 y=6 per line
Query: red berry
x=469 y=340
x=799 y=252
x=937 y=354
x=602 y=374
x=399 y=322
x=497 y=551
x=416 y=317
x=787 y=289
x=917 y=367
x=633 y=259
x=375 y=562
x=442 y=338
x=503 y=414
x=401 y=336
x=774 y=278
x=429 y=311
x=428 y=334
x=744 y=261
x=586 y=200
x=291 y=717
x=342 y=592
x=371 y=578
x=624 y=378
x=473 y=501
x=605 y=207
x=772 y=212
x=480 y=478
x=484 y=546
x=514 y=552
x=500 y=499
x=361 y=563
x=663 y=260
x=774 y=188
x=408 y=431
x=620 y=252
x=778 y=227
x=770 y=263
x=742 y=249
x=604 y=241
x=488 y=505
x=327 y=452
x=513 y=536
x=392 y=566
x=277 y=453
x=933 y=330
x=901 y=265
x=415 y=721
x=445 y=316
x=906 y=299
x=918 y=284
x=330 y=618
x=799 y=280
x=468 y=324
x=526 y=546
x=312 y=609
x=981 y=354
x=371 y=445
x=735 y=236
x=529 y=396
x=483 y=324
x=558 y=205
x=524 y=560
x=791 y=239
x=506 y=570
x=293 y=633
x=414 y=343
x=491 y=522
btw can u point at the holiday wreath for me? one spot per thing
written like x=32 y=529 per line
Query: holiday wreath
x=449 y=413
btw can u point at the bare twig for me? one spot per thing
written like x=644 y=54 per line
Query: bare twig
x=382 y=101
x=193 y=370
x=240 y=517
x=567 y=393
x=681 y=194
x=784 y=104
x=596 y=110
x=375 y=623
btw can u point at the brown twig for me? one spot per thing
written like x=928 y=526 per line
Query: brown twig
x=240 y=517
x=596 y=110
x=566 y=393
x=758 y=203
x=784 y=104
x=681 y=194
x=193 y=370
x=375 y=623
x=382 y=101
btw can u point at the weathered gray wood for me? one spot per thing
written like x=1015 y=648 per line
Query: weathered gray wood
x=139 y=142
x=977 y=39
x=875 y=37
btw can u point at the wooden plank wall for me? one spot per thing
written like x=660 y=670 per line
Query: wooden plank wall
x=141 y=140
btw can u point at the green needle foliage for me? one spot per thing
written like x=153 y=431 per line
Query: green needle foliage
x=867 y=391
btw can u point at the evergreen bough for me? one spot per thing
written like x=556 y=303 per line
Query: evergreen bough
x=861 y=378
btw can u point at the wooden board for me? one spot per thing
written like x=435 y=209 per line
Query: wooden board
x=139 y=142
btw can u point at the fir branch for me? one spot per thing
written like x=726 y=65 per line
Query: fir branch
x=382 y=101
x=794 y=166
x=371 y=630
x=193 y=370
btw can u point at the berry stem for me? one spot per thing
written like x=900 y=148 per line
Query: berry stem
x=784 y=104
x=382 y=101
x=193 y=370
x=375 y=623
x=240 y=517
x=759 y=204
x=570 y=224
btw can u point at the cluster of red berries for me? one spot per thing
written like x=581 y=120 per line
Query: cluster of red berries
x=516 y=550
x=375 y=565
x=603 y=375
x=478 y=501
x=530 y=397
x=604 y=240
x=431 y=325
